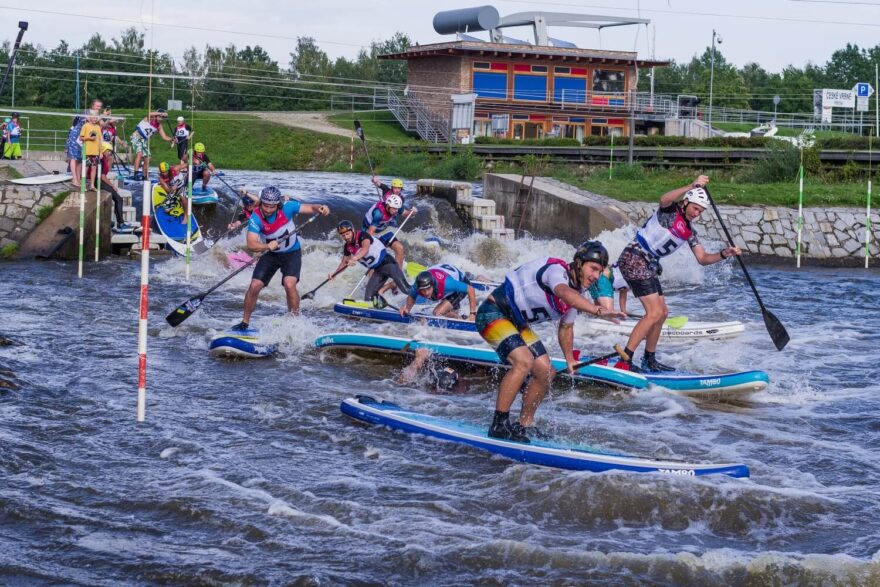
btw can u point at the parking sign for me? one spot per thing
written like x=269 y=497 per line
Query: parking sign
x=864 y=90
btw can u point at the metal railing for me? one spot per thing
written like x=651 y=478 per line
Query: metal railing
x=414 y=116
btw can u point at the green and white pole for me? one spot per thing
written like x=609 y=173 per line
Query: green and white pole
x=82 y=213
x=189 y=203
x=868 y=209
x=800 y=220
x=611 y=159
x=98 y=170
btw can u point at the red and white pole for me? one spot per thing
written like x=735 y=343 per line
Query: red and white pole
x=145 y=284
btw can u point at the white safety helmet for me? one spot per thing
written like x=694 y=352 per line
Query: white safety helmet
x=697 y=196
x=393 y=201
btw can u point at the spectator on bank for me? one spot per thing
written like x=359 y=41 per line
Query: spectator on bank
x=183 y=133
x=3 y=124
x=140 y=141
x=12 y=149
x=90 y=136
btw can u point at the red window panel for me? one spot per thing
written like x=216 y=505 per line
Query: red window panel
x=521 y=67
x=615 y=121
x=499 y=66
x=600 y=100
x=537 y=117
x=578 y=71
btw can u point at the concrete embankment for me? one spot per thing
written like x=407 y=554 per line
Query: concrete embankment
x=831 y=236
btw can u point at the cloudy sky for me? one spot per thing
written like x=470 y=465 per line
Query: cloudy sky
x=773 y=33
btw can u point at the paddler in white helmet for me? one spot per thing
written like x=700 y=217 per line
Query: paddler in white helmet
x=545 y=289
x=668 y=229
x=381 y=220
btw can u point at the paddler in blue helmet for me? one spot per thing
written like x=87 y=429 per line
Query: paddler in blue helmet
x=668 y=229
x=271 y=231
x=545 y=289
x=446 y=283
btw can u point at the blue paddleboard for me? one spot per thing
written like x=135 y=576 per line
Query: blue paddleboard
x=241 y=344
x=557 y=454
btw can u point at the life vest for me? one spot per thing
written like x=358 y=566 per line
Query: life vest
x=198 y=163
x=181 y=133
x=452 y=271
x=109 y=133
x=282 y=229
x=440 y=277
x=146 y=128
x=386 y=221
x=375 y=255
x=529 y=296
x=660 y=241
x=617 y=280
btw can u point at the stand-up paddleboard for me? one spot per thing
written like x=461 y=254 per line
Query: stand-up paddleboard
x=690 y=330
x=241 y=344
x=238 y=259
x=484 y=356
x=719 y=385
x=366 y=310
x=203 y=197
x=42 y=179
x=558 y=454
x=170 y=225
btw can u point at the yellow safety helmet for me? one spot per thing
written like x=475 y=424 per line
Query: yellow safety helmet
x=163 y=167
x=105 y=146
x=397 y=183
x=200 y=147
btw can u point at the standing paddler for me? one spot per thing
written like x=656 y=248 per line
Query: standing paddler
x=382 y=217
x=271 y=231
x=540 y=291
x=662 y=234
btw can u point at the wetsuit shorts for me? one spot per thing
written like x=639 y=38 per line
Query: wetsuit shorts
x=387 y=269
x=290 y=264
x=641 y=273
x=182 y=147
x=388 y=238
x=456 y=299
x=496 y=325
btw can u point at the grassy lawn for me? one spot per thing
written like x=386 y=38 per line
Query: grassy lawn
x=378 y=125
x=233 y=141
x=651 y=185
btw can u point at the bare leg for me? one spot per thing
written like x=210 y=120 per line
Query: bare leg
x=521 y=360
x=397 y=247
x=206 y=176
x=146 y=167
x=654 y=312
x=444 y=308
x=411 y=372
x=660 y=316
x=289 y=284
x=542 y=375
x=250 y=299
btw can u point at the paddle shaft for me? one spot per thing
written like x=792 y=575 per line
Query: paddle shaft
x=311 y=294
x=618 y=352
x=394 y=236
x=360 y=133
x=779 y=336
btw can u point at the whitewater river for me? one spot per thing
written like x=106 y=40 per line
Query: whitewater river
x=247 y=473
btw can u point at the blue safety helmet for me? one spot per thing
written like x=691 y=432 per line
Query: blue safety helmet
x=270 y=195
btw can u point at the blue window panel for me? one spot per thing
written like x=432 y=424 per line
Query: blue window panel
x=573 y=89
x=490 y=85
x=573 y=119
x=530 y=87
x=616 y=102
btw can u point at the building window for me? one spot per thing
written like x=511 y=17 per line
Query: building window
x=490 y=85
x=532 y=88
x=570 y=90
x=609 y=81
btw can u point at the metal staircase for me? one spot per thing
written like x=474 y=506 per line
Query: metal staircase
x=414 y=117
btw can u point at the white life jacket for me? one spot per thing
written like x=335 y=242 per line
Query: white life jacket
x=530 y=287
x=617 y=280
x=660 y=241
x=375 y=254
x=282 y=230
x=450 y=270
x=146 y=129
x=181 y=133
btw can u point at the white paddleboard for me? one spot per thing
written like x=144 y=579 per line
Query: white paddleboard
x=42 y=179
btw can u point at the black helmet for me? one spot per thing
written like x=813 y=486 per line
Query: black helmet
x=161 y=111
x=424 y=280
x=592 y=251
x=344 y=226
x=447 y=379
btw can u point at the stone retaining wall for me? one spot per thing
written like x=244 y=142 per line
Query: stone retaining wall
x=18 y=210
x=830 y=235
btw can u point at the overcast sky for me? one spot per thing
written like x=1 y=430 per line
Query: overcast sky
x=774 y=33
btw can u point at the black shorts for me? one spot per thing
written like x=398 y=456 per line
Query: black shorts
x=181 y=150
x=198 y=174
x=290 y=264
x=455 y=299
x=645 y=287
x=641 y=273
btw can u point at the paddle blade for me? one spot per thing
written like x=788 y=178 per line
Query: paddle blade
x=359 y=130
x=308 y=296
x=676 y=322
x=777 y=331
x=184 y=310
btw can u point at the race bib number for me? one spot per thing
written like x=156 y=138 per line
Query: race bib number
x=538 y=315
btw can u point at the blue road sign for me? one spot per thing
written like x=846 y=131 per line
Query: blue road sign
x=863 y=90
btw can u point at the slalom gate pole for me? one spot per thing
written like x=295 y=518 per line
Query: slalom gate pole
x=145 y=284
x=800 y=220
x=189 y=203
x=82 y=213
x=868 y=208
x=351 y=155
x=98 y=171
